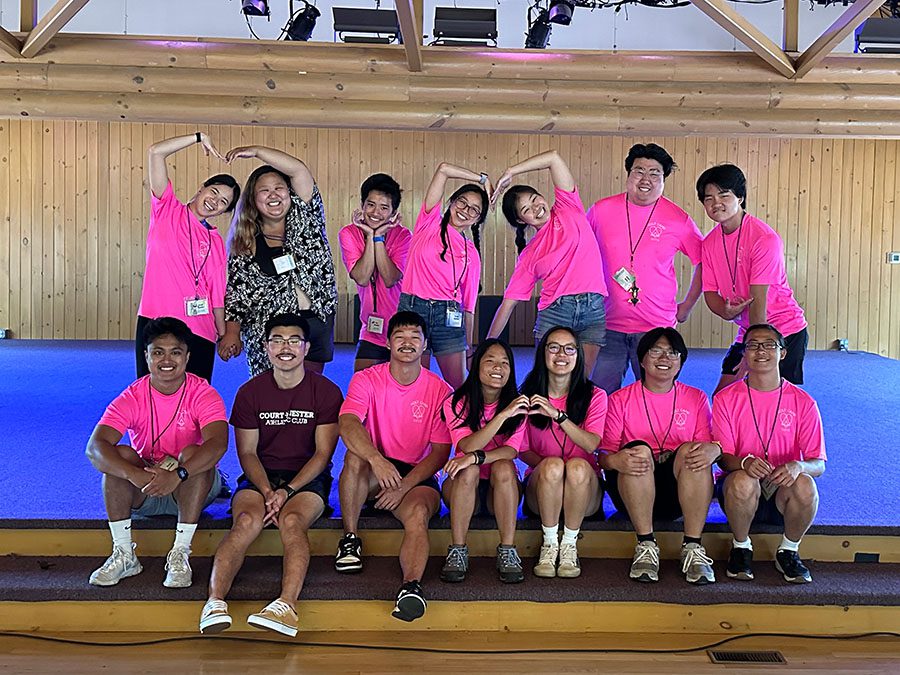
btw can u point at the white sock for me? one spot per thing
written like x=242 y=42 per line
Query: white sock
x=121 y=533
x=569 y=536
x=184 y=533
x=788 y=545
x=551 y=534
x=742 y=544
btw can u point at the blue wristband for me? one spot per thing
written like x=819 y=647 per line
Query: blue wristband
x=378 y=238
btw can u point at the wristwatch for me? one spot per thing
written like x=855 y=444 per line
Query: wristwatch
x=182 y=473
x=482 y=179
x=562 y=417
x=479 y=457
x=288 y=490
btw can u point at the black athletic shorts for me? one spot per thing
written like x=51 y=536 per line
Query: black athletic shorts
x=369 y=350
x=320 y=485
x=200 y=363
x=321 y=337
x=666 y=505
x=767 y=512
x=403 y=468
x=791 y=365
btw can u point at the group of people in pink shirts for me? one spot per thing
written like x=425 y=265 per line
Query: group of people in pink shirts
x=609 y=301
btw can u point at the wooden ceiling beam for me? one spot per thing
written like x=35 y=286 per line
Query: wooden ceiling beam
x=845 y=24
x=28 y=15
x=412 y=33
x=50 y=24
x=790 y=40
x=10 y=43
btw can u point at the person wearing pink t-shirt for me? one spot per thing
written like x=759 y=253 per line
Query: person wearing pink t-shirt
x=186 y=262
x=443 y=273
x=744 y=275
x=657 y=453
x=639 y=233
x=178 y=432
x=396 y=442
x=486 y=421
x=563 y=255
x=565 y=425
x=374 y=248
x=773 y=448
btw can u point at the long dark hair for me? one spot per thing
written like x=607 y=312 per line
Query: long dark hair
x=508 y=206
x=476 y=226
x=537 y=382
x=247 y=221
x=469 y=397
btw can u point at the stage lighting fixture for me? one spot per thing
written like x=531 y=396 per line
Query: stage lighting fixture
x=561 y=12
x=255 y=7
x=878 y=36
x=373 y=26
x=539 y=32
x=465 y=27
x=302 y=23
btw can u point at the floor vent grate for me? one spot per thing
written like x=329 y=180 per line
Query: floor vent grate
x=721 y=656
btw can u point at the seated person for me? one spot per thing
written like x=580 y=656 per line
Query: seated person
x=396 y=443
x=486 y=421
x=657 y=451
x=177 y=429
x=285 y=429
x=774 y=448
x=566 y=417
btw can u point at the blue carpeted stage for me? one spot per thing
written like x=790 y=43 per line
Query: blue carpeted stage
x=53 y=392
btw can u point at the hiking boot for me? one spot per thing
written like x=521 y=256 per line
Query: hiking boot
x=456 y=565
x=696 y=565
x=121 y=564
x=509 y=565
x=645 y=564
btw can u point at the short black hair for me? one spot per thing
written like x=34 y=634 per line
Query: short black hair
x=381 y=182
x=287 y=319
x=228 y=181
x=651 y=337
x=406 y=318
x=727 y=177
x=650 y=151
x=779 y=338
x=166 y=325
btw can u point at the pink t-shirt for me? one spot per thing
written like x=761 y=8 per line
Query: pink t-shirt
x=457 y=433
x=384 y=301
x=428 y=277
x=180 y=247
x=171 y=422
x=759 y=260
x=796 y=434
x=679 y=416
x=553 y=441
x=402 y=420
x=655 y=239
x=563 y=254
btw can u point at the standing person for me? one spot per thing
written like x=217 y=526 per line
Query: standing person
x=396 y=443
x=565 y=427
x=486 y=421
x=639 y=233
x=657 y=453
x=374 y=248
x=280 y=260
x=562 y=254
x=774 y=449
x=177 y=434
x=285 y=428
x=744 y=275
x=185 y=273
x=443 y=273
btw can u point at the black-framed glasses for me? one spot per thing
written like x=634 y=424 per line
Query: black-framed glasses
x=293 y=341
x=756 y=345
x=568 y=350
x=466 y=207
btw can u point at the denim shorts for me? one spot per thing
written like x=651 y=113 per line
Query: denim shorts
x=167 y=506
x=583 y=313
x=441 y=338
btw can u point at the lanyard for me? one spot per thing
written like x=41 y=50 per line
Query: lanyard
x=660 y=445
x=195 y=271
x=732 y=271
x=632 y=248
x=765 y=444
x=154 y=439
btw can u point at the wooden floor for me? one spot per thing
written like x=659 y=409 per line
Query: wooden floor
x=217 y=655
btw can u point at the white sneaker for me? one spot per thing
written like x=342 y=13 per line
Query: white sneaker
x=569 y=567
x=546 y=565
x=277 y=616
x=214 y=618
x=121 y=564
x=178 y=569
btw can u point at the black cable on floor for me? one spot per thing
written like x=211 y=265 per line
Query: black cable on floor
x=437 y=650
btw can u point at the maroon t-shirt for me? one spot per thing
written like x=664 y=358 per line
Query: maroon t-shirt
x=286 y=418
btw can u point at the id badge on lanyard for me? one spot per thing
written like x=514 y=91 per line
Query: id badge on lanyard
x=375 y=324
x=196 y=306
x=454 y=318
x=284 y=263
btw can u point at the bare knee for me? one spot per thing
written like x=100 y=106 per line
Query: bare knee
x=354 y=466
x=503 y=473
x=804 y=490
x=468 y=477
x=247 y=522
x=741 y=487
x=553 y=470
x=578 y=473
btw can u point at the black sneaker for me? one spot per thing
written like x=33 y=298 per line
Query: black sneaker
x=509 y=565
x=349 y=554
x=411 y=603
x=740 y=564
x=791 y=567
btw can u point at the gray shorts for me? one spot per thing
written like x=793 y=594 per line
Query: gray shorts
x=167 y=506
x=583 y=313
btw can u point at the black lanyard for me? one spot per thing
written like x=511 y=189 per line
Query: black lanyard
x=632 y=248
x=732 y=271
x=661 y=445
x=765 y=444
x=154 y=439
x=459 y=281
x=195 y=271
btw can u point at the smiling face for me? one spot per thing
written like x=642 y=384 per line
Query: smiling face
x=645 y=182
x=271 y=196
x=167 y=359
x=466 y=210
x=561 y=352
x=406 y=344
x=494 y=369
x=720 y=205
x=377 y=209
x=532 y=209
x=762 y=351
x=662 y=362
x=286 y=348
x=211 y=201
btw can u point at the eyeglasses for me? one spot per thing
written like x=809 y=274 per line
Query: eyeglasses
x=652 y=174
x=670 y=354
x=755 y=345
x=293 y=341
x=568 y=350
x=466 y=207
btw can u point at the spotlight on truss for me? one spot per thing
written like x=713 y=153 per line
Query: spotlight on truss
x=255 y=7
x=302 y=23
x=539 y=30
x=561 y=12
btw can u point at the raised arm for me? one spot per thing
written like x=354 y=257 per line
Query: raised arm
x=302 y=180
x=445 y=171
x=559 y=172
x=157 y=153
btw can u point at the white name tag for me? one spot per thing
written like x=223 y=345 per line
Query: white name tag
x=454 y=318
x=196 y=307
x=625 y=278
x=284 y=263
x=375 y=324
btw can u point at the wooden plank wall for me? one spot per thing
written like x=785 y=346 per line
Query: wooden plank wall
x=73 y=208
